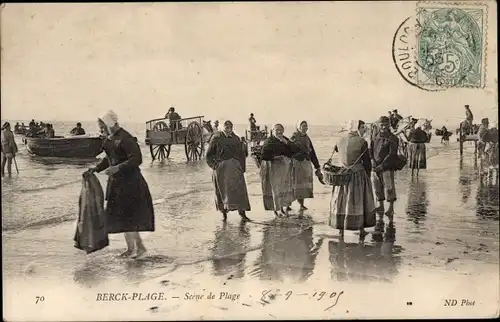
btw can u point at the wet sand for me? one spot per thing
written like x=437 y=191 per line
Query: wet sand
x=444 y=245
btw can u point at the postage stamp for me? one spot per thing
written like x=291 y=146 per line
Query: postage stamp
x=451 y=45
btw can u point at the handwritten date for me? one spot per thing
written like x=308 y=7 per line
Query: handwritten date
x=271 y=295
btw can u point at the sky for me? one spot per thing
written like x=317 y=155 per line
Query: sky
x=325 y=62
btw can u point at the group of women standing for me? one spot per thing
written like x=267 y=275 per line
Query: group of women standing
x=286 y=170
x=288 y=167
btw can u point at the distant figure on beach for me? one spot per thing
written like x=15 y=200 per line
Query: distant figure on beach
x=216 y=126
x=253 y=123
x=467 y=125
x=244 y=144
x=276 y=171
x=353 y=206
x=9 y=148
x=129 y=206
x=483 y=136
x=78 y=130
x=303 y=162
x=32 y=124
x=492 y=145
x=17 y=127
x=384 y=153
x=417 y=150
x=394 y=121
x=445 y=135
x=226 y=157
x=174 y=118
x=469 y=117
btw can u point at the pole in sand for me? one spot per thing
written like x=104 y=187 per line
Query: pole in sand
x=15 y=163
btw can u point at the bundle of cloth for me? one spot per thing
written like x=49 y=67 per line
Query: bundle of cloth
x=91 y=232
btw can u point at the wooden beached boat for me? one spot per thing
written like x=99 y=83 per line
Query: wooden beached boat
x=65 y=147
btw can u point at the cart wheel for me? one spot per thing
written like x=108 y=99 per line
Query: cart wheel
x=160 y=126
x=194 y=145
x=160 y=152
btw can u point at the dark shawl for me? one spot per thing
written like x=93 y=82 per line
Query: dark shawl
x=273 y=147
x=306 y=149
x=224 y=147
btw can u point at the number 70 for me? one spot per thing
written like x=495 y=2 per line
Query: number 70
x=39 y=299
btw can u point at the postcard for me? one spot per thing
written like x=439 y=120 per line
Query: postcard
x=249 y=160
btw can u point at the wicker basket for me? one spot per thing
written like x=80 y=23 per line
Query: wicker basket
x=336 y=176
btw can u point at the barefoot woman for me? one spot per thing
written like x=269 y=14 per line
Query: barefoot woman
x=353 y=207
x=129 y=204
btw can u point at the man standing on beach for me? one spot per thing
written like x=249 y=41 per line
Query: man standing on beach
x=129 y=204
x=226 y=157
x=384 y=154
x=9 y=148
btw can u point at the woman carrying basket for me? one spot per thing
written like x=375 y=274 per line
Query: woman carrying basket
x=353 y=206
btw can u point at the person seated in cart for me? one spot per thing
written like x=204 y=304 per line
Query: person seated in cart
x=174 y=118
x=78 y=130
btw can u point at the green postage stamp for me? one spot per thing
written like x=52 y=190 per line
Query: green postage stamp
x=451 y=44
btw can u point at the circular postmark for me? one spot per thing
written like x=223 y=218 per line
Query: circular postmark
x=440 y=48
x=404 y=53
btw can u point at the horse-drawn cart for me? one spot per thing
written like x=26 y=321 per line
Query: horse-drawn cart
x=162 y=133
x=255 y=138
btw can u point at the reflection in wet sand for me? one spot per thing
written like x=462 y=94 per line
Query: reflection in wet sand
x=487 y=205
x=366 y=262
x=467 y=174
x=418 y=202
x=134 y=270
x=288 y=251
x=90 y=275
x=229 y=251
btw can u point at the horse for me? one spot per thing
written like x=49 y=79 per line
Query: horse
x=208 y=131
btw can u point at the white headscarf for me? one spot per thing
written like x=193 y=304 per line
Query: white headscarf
x=299 y=123
x=110 y=119
x=274 y=126
x=352 y=126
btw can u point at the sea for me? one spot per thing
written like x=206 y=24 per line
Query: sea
x=445 y=221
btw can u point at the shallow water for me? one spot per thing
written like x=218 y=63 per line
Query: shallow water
x=446 y=222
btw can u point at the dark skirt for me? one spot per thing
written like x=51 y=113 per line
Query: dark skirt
x=417 y=156
x=130 y=206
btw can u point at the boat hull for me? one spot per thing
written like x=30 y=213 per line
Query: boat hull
x=72 y=147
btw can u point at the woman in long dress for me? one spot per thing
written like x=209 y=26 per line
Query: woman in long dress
x=416 y=150
x=276 y=171
x=226 y=157
x=353 y=206
x=303 y=163
x=129 y=204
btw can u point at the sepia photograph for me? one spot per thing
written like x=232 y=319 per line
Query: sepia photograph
x=363 y=135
